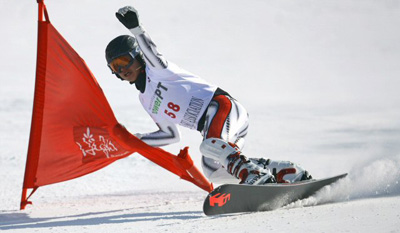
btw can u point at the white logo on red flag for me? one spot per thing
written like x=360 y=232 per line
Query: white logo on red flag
x=95 y=143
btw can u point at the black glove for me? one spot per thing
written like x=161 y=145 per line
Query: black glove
x=128 y=16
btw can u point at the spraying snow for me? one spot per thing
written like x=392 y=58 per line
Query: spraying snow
x=360 y=184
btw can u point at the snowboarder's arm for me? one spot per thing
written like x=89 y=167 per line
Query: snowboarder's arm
x=129 y=17
x=167 y=134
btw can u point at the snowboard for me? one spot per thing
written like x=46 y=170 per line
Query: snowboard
x=236 y=198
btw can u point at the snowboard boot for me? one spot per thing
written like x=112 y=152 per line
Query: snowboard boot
x=283 y=171
x=248 y=172
x=235 y=163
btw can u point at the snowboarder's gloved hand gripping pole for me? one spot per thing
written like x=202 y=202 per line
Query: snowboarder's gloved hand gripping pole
x=128 y=16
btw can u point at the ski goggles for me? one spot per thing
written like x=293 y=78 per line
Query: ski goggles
x=117 y=64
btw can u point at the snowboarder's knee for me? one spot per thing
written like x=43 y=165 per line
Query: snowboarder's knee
x=217 y=149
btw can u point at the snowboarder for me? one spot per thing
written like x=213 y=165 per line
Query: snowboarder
x=173 y=96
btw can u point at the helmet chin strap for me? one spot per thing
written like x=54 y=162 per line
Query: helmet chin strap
x=140 y=67
x=140 y=82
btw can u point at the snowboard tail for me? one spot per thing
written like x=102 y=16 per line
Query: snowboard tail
x=235 y=198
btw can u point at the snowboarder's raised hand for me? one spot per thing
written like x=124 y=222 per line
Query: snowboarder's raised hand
x=128 y=16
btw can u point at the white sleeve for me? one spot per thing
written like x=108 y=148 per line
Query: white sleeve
x=153 y=58
x=167 y=134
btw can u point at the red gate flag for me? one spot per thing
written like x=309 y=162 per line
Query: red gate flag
x=74 y=131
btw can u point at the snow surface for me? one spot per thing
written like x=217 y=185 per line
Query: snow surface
x=320 y=79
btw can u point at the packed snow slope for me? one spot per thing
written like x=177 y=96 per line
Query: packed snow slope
x=320 y=79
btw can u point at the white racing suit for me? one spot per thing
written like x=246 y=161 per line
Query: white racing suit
x=173 y=96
